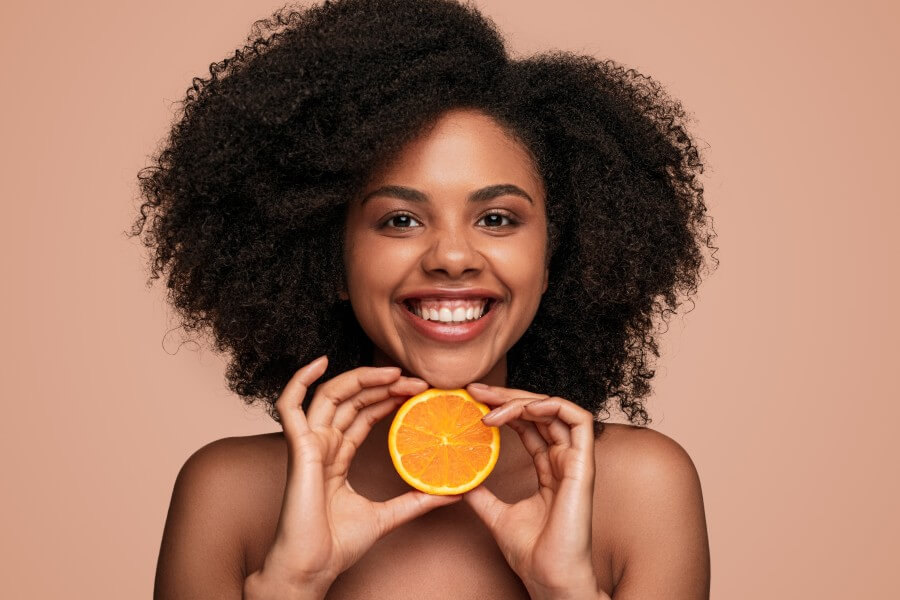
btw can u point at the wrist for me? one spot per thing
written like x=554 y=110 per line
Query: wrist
x=577 y=588
x=265 y=585
x=594 y=593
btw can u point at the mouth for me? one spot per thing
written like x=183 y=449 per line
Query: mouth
x=450 y=312
x=446 y=320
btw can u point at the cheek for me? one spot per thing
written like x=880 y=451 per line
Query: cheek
x=375 y=271
x=371 y=266
x=521 y=267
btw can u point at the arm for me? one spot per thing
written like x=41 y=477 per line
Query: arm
x=658 y=505
x=201 y=555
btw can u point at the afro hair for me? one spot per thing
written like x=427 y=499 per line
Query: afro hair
x=244 y=204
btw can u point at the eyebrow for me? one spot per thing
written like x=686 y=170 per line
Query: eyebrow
x=482 y=195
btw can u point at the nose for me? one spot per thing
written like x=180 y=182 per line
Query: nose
x=452 y=254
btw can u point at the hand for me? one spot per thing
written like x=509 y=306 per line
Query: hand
x=325 y=526
x=545 y=538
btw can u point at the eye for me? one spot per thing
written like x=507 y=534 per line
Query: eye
x=495 y=219
x=399 y=221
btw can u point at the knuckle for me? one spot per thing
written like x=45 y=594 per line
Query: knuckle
x=361 y=374
x=325 y=390
x=281 y=408
x=371 y=419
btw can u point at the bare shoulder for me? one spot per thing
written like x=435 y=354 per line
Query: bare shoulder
x=232 y=474
x=210 y=513
x=631 y=447
x=650 y=504
x=237 y=455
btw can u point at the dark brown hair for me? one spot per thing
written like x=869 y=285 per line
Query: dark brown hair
x=246 y=199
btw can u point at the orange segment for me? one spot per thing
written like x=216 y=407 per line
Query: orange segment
x=439 y=445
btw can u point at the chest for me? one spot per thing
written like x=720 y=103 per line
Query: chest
x=447 y=553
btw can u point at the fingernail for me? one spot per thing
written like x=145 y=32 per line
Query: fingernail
x=478 y=386
x=491 y=415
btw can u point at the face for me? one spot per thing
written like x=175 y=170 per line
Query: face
x=454 y=225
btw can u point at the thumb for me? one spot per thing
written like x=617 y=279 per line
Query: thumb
x=406 y=507
x=487 y=506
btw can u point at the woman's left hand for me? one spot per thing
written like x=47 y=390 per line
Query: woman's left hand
x=545 y=538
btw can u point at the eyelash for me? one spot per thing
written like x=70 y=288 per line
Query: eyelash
x=512 y=220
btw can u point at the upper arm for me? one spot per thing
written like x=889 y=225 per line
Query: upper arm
x=661 y=521
x=201 y=555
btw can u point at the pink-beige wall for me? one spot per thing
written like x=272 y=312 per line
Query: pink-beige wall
x=781 y=384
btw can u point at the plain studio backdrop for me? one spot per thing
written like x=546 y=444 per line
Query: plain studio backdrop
x=781 y=383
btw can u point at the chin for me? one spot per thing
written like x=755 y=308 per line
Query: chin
x=448 y=378
x=445 y=382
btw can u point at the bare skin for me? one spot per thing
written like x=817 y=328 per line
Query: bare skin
x=300 y=512
x=446 y=553
x=649 y=530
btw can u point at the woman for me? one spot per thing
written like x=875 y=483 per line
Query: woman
x=365 y=158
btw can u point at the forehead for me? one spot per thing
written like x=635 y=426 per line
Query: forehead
x=464 y=149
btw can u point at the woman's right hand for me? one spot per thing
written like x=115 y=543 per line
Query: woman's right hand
x=325 y=526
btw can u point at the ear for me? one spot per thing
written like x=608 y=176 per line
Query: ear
x=546 y=279
x=343 y=295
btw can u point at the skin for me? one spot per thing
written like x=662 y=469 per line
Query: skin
x=318 y=509
x=449 y=241
x=445 y=239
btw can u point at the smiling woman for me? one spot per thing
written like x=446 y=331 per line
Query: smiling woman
x=372 y=199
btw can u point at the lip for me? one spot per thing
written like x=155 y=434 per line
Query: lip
x=445 y=332
x=437 y=292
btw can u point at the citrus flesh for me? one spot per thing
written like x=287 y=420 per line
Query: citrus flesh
x=439 y=445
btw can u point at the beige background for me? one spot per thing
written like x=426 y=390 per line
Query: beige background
x=781 y=384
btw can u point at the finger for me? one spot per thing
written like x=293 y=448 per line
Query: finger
x=579 y=421
x=511 y=409
x=534 y=435
x=289 y=403
x=537 y=448
x=573 y=503
x=487 y=506
x=406 y=507
x=334 y=391
x=550 y=425
x=486 y=395
x=346 y=412
x=366 y=418
x=495 y=395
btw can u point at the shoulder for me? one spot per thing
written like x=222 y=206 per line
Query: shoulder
x=230 y=457
x=645 y=453
x=226 y=475
x=649 y=490
x=210 y=513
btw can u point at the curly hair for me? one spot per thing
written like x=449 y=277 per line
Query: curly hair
x=247 y=196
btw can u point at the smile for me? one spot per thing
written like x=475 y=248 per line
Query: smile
x=456 y=320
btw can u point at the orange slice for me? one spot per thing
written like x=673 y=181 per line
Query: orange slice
x=439 y=444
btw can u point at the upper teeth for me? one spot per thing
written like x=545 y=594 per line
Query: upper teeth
x=448 y=311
